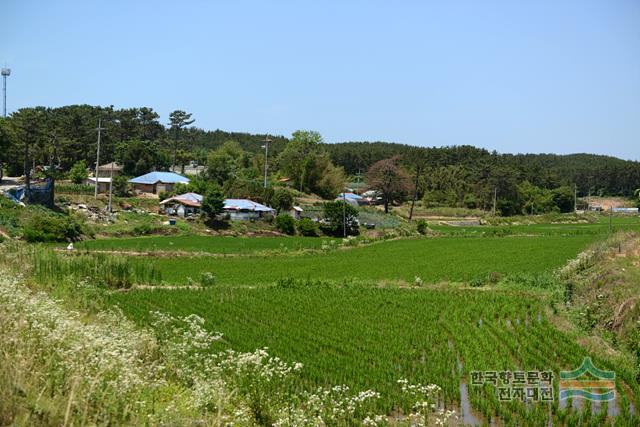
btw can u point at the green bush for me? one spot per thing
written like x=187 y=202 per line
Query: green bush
x=78 y=172
x=282 y=200
x=143 y=229
x=207 y=279
x=307 y=227
x=422 y=226
x=52 y=228
x=336 y=214
x=121 y=186
x=286 y=224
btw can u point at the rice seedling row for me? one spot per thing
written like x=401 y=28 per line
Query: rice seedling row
x=368 y=337
x=432 y=260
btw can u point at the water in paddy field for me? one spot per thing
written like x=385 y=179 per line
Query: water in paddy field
x=468 y=416
x=613 y=406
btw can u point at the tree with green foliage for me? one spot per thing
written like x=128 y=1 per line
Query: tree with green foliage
x=29 y=128
x=335 y=215
x=121 y=187
x=286 y=224
x=446 y=186
x=282 y=200
x=297 y=157
x=7 y=142
x=309 y=167
x=307 y=227
x=212 y=203
x=178 y=120
x=535 y=199
x=78 y=172
x=138 y=157
x=52 y=228
x=225 y=163
x=183 y=157
x=564 y=198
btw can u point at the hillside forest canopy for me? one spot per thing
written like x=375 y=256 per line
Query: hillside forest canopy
x=56 y=142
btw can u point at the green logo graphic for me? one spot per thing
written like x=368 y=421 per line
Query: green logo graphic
x=588 y=382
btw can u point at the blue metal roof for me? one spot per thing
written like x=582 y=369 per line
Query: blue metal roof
x=245 y=204
x=154 y=177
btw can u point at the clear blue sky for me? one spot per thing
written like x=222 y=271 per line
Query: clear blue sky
x=515 y=76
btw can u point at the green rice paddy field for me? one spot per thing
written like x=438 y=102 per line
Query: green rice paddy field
x=368 y=338
x=357 y=333
x=432 y=260
x=210 y=244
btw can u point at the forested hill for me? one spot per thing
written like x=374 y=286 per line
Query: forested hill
x=136 y=136
x=590 y=172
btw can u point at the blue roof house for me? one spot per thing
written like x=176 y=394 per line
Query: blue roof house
x=245 y=209
x=157 y=182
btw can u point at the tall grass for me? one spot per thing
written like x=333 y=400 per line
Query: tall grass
x=100 y=269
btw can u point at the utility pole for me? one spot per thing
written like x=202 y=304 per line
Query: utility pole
x=110 y=186
x=99 y=129
x=111 y=174
x=610 y=215
x=575 y=198
x=6 y=72
x=495 y=196
x=344 y=213
x=267 y=140
x=415 y=192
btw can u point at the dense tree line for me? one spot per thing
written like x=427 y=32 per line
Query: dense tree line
x=56 y=139
x=595 y=174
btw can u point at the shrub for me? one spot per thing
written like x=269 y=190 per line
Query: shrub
x=142 y=229
x=207 y=279
x=52 y=228
x=422 y=226
x=78 y=172
x=212 y=203
x=282 y=200
x=286 y=224
x=307 y=227
x=334 y=217
x=121 y=186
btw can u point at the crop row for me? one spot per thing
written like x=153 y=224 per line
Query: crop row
x=368 y=338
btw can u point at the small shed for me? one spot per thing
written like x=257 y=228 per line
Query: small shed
x=103 y=183
x=296 y=212
x=245 y=209
x=108 y=169
x=157 y=182
x=183 y=205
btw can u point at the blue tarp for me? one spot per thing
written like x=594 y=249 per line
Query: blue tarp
x=349 y=196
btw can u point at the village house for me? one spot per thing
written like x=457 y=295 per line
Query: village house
x=109 y=169
x=244 y=209
x=187 y=204
x=103 y=183
x=157 y=182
